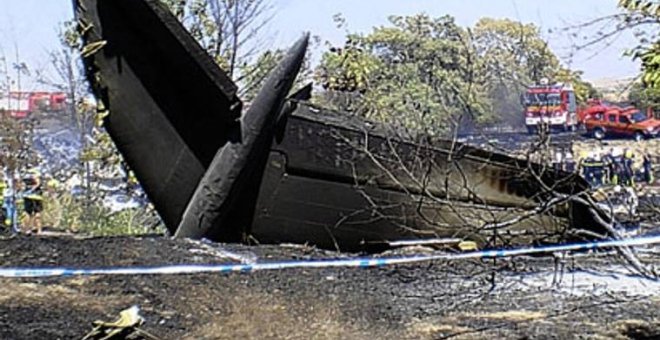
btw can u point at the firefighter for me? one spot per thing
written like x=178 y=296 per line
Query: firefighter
x=628 y=174
x=4 y=212
x=608 y=163
x=33 y=200
x=558 y=161
x=131 y=180
x=648 y=169
x=569 y=163
x=10 y=201
x=616 y=173
x=631 y=201
x=598 y=169
x=592 y=170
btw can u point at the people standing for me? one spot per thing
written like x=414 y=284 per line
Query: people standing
x=608 y=164
x=558 y=160
x=617 y=167
x=8 y=197
x=591 y=169
x=33 y=200
x=569 y=162
x=628 y=160
x=4 y=212
x=649 y=177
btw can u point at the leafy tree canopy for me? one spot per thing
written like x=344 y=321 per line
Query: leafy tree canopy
x=430 y=73
x=645 y=13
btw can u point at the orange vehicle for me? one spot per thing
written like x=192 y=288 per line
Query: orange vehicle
x=626 y=122
x=593 y=108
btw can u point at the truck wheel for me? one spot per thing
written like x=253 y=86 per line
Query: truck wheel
x=599 y=133
x=638 y=136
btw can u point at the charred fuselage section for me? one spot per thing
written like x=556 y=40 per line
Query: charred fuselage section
x=284 y=170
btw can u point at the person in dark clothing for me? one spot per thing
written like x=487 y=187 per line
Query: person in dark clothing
x=610 y=169
x=648 y=169
x=628 y=175
x=33 y=200
x=592 y=171
x=617 y=167
x=569 y=163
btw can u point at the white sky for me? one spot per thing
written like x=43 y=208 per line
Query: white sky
x=30 y=26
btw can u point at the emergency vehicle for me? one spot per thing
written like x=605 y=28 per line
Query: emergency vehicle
x=622 y=122
x=554 y=106
x=22 y=104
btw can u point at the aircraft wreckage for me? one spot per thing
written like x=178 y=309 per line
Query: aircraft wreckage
x=284 y=170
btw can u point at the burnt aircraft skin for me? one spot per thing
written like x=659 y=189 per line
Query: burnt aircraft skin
x=321 y=187
x=170 y=108
x=321 y=143
x=239 y=164
x=173 y=116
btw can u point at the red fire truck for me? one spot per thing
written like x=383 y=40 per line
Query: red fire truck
x=550 y=105
x=22 y=104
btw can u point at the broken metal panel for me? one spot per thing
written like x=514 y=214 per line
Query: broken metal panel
x=170 y=106
x=227 y=188
x=326 y=213
x=319 y=145
x=316 y=189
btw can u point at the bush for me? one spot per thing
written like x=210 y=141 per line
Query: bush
x=65 y=212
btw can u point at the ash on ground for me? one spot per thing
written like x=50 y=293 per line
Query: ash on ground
x=585 y=295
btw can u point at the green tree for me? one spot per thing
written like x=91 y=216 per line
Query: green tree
x=644 y=96
x=16 y=151
x=514 y=51
x=422 y=72
x=514 y=57
x=428 y=72
x=644 y=13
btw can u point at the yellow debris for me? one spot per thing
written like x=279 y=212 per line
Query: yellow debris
x=91 y=48
x=128 y=323
x=83 y=26
x=467 y=246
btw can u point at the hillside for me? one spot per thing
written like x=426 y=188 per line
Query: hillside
x=614 y=89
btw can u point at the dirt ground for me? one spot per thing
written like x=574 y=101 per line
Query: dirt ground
x=437 y=300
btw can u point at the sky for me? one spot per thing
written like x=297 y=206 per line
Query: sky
x=28 y=28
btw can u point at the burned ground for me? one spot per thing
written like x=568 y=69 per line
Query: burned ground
x=425 y=301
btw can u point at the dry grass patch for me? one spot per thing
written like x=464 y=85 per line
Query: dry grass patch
x=255 y=315
x=513 y=315
x=32 y=292
x=431 y=330
x=43 y=295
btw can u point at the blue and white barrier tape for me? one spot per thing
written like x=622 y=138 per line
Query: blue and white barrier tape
x=363 y=262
